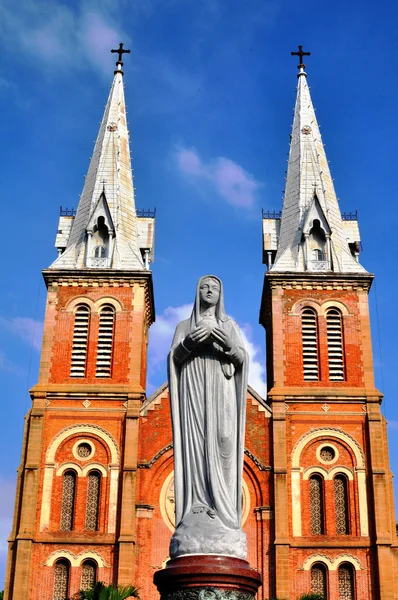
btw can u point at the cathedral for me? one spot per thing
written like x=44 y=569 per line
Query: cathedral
x=95 y=495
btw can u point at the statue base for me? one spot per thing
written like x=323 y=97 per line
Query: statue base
x=207 y=577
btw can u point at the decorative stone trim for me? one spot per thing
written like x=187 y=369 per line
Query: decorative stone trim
x=332 y=563
x=327 y=445
x=256 y=461
x=150 y=464
x=75 y=560
x=77 y=444
x=83 y=428
x=328 y=432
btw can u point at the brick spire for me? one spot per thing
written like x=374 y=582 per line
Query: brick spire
x=309 y=194
x=108 y=193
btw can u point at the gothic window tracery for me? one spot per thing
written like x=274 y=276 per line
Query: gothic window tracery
x=61 y=580
x=68 y=500
x=341 y=504
x=334 y=327
x=316 y=505
x=80 y=341
x=346 y=582
x=93 y=498
x=89 y=575
x=318 y=579
x=309 y=333
x=105 y=341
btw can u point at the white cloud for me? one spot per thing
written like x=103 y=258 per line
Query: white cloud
x=161 y=335
x=231 y=181
x=62 y=36
x=28 y=330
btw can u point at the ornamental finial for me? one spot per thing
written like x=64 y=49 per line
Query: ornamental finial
x=120 y=51
x=300 y=53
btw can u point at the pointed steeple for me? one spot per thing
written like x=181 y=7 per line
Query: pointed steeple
x=104 y=232
x=313 y=235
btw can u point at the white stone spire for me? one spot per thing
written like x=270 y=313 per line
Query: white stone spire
x=104 y=232
x=313 y=236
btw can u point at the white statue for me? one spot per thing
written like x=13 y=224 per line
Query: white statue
x=208 y=368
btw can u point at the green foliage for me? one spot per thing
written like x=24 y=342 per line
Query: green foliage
x=311 y=596
x=100 y=591
x=2 y=595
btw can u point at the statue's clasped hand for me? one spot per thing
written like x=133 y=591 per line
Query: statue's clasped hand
x=196 y=336
x=222 y=338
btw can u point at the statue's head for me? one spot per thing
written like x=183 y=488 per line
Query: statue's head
x=209 y=291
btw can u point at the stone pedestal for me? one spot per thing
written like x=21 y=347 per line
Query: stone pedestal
x=207 y=577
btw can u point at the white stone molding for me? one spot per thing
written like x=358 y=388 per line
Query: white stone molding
x=329 y=432
x=344 y=470
x=72 y=466
x=315 y=470
x=75 y=561
x=298 y=306
x=108 y=300
x=114 y=480
x=335 y=304
x=331 y=563
x=75 y=302
x=95 y=467
x=46 y=497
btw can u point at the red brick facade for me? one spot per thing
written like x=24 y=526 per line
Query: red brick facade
x=130 y=440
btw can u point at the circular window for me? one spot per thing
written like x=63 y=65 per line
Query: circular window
x=83 y=449
x=327 y=453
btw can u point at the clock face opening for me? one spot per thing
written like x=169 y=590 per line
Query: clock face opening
x=167 y=503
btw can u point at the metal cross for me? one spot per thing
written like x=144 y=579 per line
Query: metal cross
x=300 y=53
x=120 y=52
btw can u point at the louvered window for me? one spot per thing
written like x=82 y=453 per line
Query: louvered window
x=335 y=345
x=318 y=579
x=89 y=575
x=316 y=505
x=61 y=580
x=105 y=341
x=80 y=340
x=68 y=500
x=93 y=497
x=346 y=582
x=309 y=331
x=341 y=504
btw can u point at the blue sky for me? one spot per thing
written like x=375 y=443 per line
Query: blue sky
x=210 y=89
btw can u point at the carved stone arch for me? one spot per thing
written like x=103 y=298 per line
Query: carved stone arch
x=94 y=467
x=343 y=308
x=72 y=466
x=343 y=470
x=72 y=304
x=90 y=555
x=347 y=558
x=330 y=432
x=61 y=554
x=346 y=438
x=109 y=300
x=83 y=429
x=250 y=473
x=316 y=470
x=303 y=303
x=317 y=558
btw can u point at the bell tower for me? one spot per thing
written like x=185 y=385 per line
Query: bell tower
x=74 y=519
x=334 y=526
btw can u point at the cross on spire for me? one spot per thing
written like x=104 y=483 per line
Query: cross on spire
x=120 y=51
x=300 y=53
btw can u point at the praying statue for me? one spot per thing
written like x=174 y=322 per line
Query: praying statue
x=207 y=371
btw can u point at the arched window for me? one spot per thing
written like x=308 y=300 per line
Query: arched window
x=309 y=333
x=93 y=498
x=346 y=582
x=335 y=344
x=89 y=575
x=61 y=580
x=68 y=500
x=316 y=505
x=317 y=254
x=341 y=504
x=99 y=252
x=319 y=579
x=105 y=341
x=80 y=340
